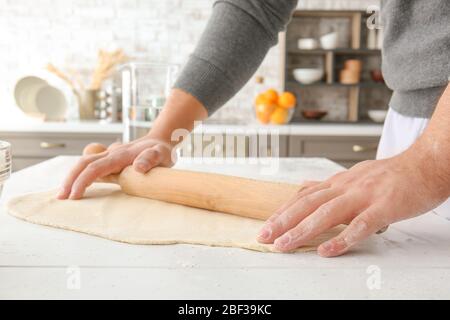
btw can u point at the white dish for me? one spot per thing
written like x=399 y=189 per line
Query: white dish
x=378 y=115
x=308 y=75
x=329 y=41
x=51 y=102
x=307 y=44
x=30 y=99
x=25 y=91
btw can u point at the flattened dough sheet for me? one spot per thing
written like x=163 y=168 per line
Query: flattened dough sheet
x=109 y=213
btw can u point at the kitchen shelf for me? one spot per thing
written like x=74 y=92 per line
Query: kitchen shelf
x=322 y=122
x=343 y=51
x=368 y=84
x=353 y=33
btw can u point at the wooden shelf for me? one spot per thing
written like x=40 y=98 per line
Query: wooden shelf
x=319 y=122
x=368 y=84
x=332 y=61
x=343 y=51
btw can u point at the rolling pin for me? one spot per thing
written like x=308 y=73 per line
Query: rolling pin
x=239 y=196
x=234 y=195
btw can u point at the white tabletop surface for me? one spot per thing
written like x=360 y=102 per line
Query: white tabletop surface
x=411 y=260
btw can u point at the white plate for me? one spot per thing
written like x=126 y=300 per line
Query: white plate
x=28 y=103
x=25 y=89
x=51 y=102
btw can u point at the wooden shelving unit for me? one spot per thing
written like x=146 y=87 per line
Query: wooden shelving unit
x=353 y=46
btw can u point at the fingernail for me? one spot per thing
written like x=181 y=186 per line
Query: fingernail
x=265 y=234
x=283 y=241
x=141 y=165
x=327 y=246
x=334 y=246
x=73 y=196
x=61 y=193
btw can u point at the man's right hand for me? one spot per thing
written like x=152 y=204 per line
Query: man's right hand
x=144 y=154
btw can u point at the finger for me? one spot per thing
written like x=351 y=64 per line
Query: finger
x=114 y=146
x=75 y=172
x=265 y=235
x=298 y=211
x=99 y=169
x=147 y=160
x=364 y=225
x=308 y=184
x=327 y=216
x=312 y=186
x=305 y=189
x=168 y=154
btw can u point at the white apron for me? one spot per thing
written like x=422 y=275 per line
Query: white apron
x=399 y=133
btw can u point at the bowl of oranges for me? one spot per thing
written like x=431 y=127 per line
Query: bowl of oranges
x=275 y=108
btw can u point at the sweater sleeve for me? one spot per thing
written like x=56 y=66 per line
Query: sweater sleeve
x=237 y=38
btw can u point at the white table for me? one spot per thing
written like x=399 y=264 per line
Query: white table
x=411 y=260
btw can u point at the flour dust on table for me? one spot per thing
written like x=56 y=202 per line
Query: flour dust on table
x=109 y=213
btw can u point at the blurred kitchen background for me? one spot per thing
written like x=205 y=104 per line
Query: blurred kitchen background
x=62 y=63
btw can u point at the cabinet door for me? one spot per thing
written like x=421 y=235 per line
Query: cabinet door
x=344 y=149
x=29 y=149
x=234 y=146
x=272 y=146
x=239 y=146
x=51 y=145
x=349 y=149
x=295 y=146
x=202 y=146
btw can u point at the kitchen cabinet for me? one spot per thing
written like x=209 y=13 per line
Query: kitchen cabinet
x=31 y=148
x=344 y=144
x=235 y=146
x=347 y=151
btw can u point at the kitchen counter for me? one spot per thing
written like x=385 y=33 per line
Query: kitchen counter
x=411 y=260
x=306 y=129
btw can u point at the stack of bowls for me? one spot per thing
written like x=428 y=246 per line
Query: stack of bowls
x=5 y=163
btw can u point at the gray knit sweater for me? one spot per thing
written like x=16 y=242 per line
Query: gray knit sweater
x=416 y=51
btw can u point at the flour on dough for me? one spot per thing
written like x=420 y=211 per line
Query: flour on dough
x=108 y=213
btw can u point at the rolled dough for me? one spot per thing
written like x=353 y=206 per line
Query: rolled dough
x=108 y=213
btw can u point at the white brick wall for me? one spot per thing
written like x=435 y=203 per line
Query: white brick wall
x=68 y=33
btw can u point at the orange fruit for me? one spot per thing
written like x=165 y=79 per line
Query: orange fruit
x=260 y=99
x=271 y=95
x=263 y=118
x=287 y=100
x=279 y=116
x=264 y=112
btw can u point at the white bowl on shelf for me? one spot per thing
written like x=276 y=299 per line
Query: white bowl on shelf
x=308 y=75
x=378 y=116
x=308 y=44
x=329 y=41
